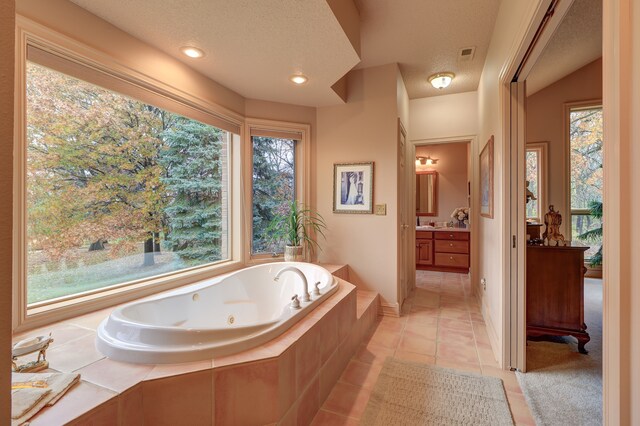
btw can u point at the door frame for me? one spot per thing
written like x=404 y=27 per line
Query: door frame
x=472 y=140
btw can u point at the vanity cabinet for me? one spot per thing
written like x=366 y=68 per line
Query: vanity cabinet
x=424 y=248
x=443 y=250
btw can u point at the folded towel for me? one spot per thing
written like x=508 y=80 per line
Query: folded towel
x=47 y=388
x=24 y=399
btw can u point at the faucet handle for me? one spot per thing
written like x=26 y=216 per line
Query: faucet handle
x=316 y=290
x=295 y=303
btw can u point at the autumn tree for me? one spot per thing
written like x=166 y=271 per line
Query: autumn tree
x=93 y=171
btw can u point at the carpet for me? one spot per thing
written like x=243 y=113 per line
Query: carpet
x=562 y=386
x=408 y=393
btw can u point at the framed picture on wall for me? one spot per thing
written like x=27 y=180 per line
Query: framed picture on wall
x=353 y=187
x=486 y=180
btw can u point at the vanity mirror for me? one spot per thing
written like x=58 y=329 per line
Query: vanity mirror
x=426 y=193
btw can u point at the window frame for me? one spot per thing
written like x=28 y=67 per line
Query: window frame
x=26 y=317
x=568 y=108
x=542 y=149
x=298 y=131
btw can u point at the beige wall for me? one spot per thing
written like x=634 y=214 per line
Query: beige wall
x=444 y=116
x=545 y=122
x=452 y=177
x=364 y=129
x=7 y=17
x=514 y=17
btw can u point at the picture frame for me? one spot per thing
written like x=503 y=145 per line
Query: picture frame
x=486 y=180
x=353 y=188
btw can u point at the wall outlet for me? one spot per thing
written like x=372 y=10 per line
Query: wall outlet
x=483 y=283
x=381 y=209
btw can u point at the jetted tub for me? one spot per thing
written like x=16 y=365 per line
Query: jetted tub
x=215 y=317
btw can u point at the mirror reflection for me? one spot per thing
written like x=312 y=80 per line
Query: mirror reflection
x=427 y=193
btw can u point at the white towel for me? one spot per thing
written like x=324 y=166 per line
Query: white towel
x=26 y=402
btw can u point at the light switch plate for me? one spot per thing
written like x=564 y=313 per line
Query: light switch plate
x=381 y=209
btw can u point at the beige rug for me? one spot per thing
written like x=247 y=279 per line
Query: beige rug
x=407 y=393
x=562 y=386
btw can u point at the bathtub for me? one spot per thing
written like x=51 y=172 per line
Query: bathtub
x=216 y=317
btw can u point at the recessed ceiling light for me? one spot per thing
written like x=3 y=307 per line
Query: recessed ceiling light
x=441 y=79
x=192 y=52
x=298 y=78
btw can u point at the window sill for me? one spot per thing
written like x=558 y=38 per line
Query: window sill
x=69 y=308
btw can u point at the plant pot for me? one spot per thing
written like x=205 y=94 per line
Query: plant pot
x=293 y=253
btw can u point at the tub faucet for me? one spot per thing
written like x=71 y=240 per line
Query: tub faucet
x=305 y=292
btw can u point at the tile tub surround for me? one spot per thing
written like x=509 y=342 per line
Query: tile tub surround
x=285 y=378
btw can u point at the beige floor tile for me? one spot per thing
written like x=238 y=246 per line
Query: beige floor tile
x=373 y=354
x=347 y=400
x=414 y=342
x=361 y=374
x=327 y=418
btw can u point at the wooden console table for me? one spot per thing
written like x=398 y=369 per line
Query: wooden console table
x=555 y=293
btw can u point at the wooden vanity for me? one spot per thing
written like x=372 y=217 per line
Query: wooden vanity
x=446 y=250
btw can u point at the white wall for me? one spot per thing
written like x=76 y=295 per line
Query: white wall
x=514 y=18
x=443 y=116
x=363 y=129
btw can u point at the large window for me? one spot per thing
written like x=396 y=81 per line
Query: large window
x=585 y=155
x=276 y=169
x=274 y=188
x=536 y=176
x=117 y=189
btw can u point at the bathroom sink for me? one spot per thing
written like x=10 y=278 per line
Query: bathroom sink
x=427 y=228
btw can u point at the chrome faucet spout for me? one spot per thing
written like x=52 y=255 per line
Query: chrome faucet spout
x=305 y=291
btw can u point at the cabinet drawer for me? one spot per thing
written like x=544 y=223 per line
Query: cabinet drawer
x=452 y=235
x=424 y=234
x=453 y=260
x=452 y=246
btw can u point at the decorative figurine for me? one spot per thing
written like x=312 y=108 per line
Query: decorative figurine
x=552 y=222
x=38 y=344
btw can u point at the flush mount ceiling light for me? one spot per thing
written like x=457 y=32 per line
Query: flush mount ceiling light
x=426 y=161
x=441 y=79
x=298 y=79
x=192 y=52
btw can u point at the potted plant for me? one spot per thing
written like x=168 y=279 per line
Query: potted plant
x=595 y=234
x=298 y=230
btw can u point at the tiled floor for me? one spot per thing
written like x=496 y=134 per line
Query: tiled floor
x=442 y=325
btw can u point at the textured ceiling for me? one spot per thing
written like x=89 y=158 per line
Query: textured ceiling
x=576 y=42
x=424 y=37
x=252 y=47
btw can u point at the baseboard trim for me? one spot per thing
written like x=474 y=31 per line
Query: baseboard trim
x=493 y=337
x=389 y=309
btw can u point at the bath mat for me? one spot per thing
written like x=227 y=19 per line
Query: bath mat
x=407 y=393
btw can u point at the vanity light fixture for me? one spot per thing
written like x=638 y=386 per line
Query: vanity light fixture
x=192 y=52
x=425 y=161
x=298 y=79
x=441 y=79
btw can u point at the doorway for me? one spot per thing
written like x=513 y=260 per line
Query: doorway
x=442 y=201
x=557 y=169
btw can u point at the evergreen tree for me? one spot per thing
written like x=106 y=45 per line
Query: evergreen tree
x=273 y=187
x=193 y=164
